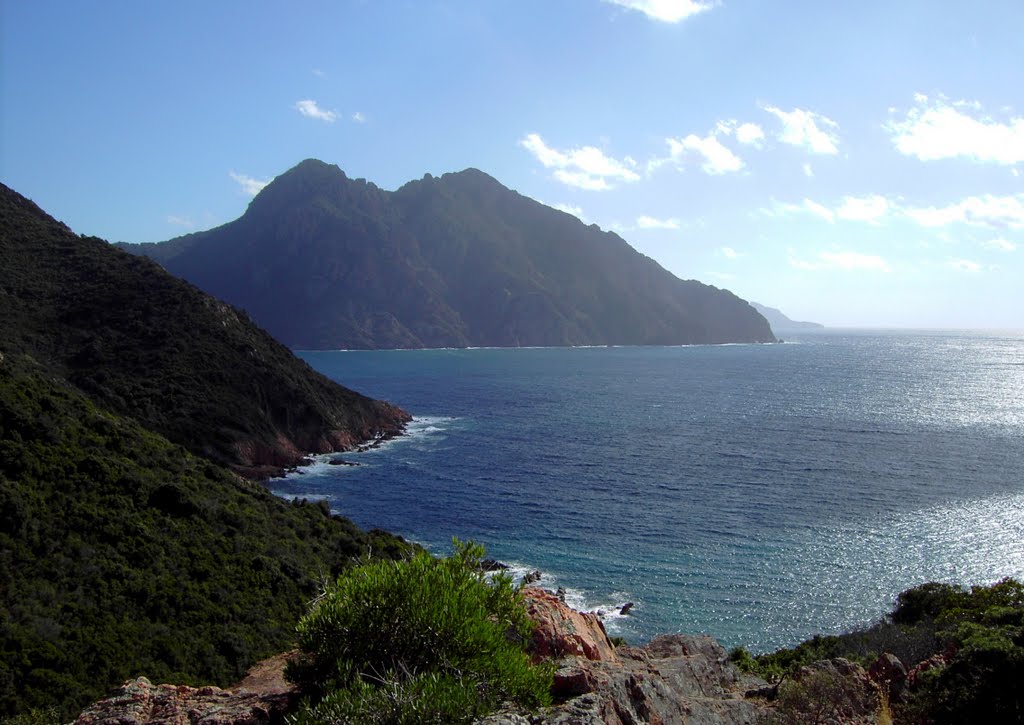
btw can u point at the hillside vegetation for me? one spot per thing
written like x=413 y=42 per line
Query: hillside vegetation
x=971 y=642
x=325 y=262
x=149 y=346
x=126 y=549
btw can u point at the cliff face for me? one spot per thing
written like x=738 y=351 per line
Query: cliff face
x=151 y=346
x=324 y=262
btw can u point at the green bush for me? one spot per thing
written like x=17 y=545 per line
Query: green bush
x=421 y=640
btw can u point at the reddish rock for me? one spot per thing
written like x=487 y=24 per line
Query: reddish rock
x=563 y=632
x=262 y=697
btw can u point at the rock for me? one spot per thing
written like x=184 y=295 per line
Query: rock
x=890 y=674
x=533 y=577
x=264 y=696
x=341 y=462
x=492 y=565
x=561 y=594
x=626 y=607
x=562 y=631
x=681 y=679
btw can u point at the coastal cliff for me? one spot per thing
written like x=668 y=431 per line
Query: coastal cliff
x=148 y=345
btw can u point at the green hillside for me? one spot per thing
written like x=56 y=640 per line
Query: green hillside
x=126 y=549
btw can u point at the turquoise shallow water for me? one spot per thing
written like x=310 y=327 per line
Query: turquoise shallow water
x=759 y=493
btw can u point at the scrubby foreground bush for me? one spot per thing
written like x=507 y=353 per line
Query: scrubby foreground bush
x=421 y=640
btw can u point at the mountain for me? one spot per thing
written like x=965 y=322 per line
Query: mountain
x=323 y=261
x=123 y=553
x=152 y=347
x=780 y=323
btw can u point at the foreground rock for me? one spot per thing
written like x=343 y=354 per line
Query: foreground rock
x=264 y=696
x=673 y=679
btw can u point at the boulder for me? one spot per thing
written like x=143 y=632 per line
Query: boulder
x=890 y=674
x=563 y=632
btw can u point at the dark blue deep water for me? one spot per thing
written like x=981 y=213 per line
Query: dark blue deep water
x=759 y=493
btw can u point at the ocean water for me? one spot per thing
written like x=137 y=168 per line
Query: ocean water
x=758 y=493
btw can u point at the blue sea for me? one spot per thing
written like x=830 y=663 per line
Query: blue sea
x=758 y=493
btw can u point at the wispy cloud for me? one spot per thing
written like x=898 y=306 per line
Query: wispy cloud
x=586 y=167
x=994 y=212
x=649 y=222
x=964 y=265
x=319 y=73
x=729 y=252
x=807 y=129
x=939 y=129
x=181 y=221
x=310 y=109
x=1001 y=245
x=806 y=206
x=359 y=117
x=667 y=11
x=841 y=260
x=249 y=185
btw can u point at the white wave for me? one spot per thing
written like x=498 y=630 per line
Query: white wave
x=608 y=607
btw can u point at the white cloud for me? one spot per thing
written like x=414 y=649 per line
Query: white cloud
x=964 y=265
x=310 y=109
x=249 y=185
x=649 y=222
x=729 y=252
x=938 y=129
x=855 y=260
x=319 y=73
x=808 y=171
x=667 y=11
x=358 y=117
x=717 y=158
x=995 y=212
x=841 y=260
x=181 y=221
x=586 y=167
x=807 y=129
x=749 y=133
x=863 y=209
x=1001 y=245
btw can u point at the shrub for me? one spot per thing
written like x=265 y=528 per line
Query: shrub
x=420 y=640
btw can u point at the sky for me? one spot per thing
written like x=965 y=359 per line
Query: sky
x=856 y=164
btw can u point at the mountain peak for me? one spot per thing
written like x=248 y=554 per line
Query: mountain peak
x=455 y=261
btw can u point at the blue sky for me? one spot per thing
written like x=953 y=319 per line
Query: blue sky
x=857 y=164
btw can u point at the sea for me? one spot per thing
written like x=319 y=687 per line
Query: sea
x=757 y=493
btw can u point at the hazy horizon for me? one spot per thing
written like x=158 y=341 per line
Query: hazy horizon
x=854 y=166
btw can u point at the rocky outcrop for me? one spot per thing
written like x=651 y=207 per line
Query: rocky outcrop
x=264 y=696
x=561 y=631
x=673 y=679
